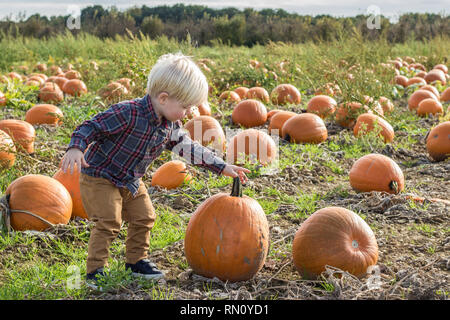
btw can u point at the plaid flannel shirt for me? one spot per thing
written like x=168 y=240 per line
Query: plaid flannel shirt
x=125 y=139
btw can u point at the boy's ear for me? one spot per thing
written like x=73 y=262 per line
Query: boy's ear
x=163 y=97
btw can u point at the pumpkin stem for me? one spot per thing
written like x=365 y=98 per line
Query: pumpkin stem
x=394 y=186
x=236 y=190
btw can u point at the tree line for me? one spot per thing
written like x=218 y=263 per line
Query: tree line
x=205 y=26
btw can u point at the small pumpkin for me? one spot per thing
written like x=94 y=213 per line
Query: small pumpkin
x=285 y=93
x=442 y=67
x=72 y=74
x=253 y=145
x=401 y=80
x=229 y=96
x=271 y=113
x=113 y=90
x=71 y=181
x=429 y=106
x=242 y=92
x=249 y=113
x=336 y=237
x=277 y=121
x=60 y=81
x=126 y=82
x=44 y=114
x=227 y=237
x=438 y=141
x=376 y=172
x=258 y=93
x=417 y=97
x=7 y=151
x=207 y=131
x=204 y=109
x=21 y=132
x=431 y=88
x=305 y=128
x=321 y=105
x=445 y=96
x=416 y=81
x=435 y=75
x=75 y=87
x=171 y=175
x=51 y=92
x=43 y=197
x=367 y=122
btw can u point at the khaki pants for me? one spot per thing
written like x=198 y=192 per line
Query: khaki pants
x=106 y=205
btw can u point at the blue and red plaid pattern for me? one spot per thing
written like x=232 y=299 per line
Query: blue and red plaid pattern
x=125 y=139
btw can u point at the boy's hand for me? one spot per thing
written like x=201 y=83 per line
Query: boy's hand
x=235 y=171
x=73 y=156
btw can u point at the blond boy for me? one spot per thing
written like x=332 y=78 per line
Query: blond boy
x=123 y=141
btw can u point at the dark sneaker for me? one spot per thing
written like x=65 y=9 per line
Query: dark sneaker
x=93 y=279
x=145 y=269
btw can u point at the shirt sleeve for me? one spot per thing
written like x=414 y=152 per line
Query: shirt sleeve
x=194 y=153
x=109 y=122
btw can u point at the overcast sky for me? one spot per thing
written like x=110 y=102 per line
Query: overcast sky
x=311 y=7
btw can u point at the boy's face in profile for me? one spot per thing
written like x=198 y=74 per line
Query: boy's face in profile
x=170 y=108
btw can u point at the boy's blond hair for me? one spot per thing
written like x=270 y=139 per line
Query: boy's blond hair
x=180 y=77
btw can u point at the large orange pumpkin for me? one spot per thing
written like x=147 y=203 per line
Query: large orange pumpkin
x=304 y=128
x=367 y=122
x=429 y=106
x=252 y=144
x=43 y=197
x=72 y=183
x=376 y=172
x=438 y=141
x=227 y=237
x=51 y=92
x=249 y=113
x=75 y=87
x=7 y=151
x=417 y=96
x=207 y=131
x=430 y=88
x=321 y=105
x=44 y=114
x=277 y=121
x=22 y=133
x=171 y=175
x=285 y=93
x=336 y=237
x=258 y=93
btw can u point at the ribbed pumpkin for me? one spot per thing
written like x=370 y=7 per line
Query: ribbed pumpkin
x=251 y=144
x=242 y=92
x=401 y=80
x=249 y=113
x=71 y=181
x=51 y=92
x=376 y=172
x=258 y=93
x=7 y=151
x=227 y=237
x=113 y=90
x=3 y=100
x=435 y=75
x=277 y=121
x=21 y=132
x=429 y=106
x=229 y=96
x=438 y=141
x=75 y=87
x=171 y=175
x=285 y=93
x=207 y=131
x=445 y=96
x=417 y=96
x=204 y=109
x=321 y=105
x=347 y=113
x=336 y=237
x=430 y=88
x=44 y=114
x=304 y=128
x=42 y=196
x=416 y=81
x=366 y=123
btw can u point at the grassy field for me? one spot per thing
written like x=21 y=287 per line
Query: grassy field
x=412 y=237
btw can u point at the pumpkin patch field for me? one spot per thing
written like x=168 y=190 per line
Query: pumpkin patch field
x=348 y=143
